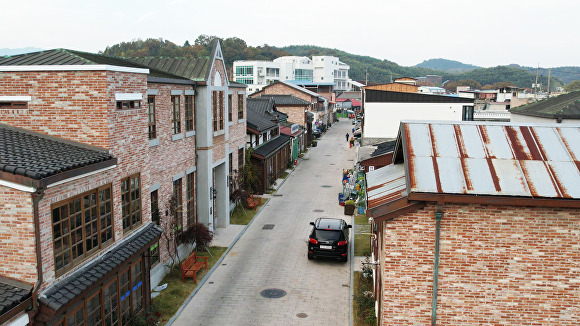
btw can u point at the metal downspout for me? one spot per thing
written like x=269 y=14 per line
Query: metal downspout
x=438 y=217
x=36 y=197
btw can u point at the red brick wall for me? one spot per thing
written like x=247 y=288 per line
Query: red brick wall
x=295 y=113
x=18 y=255
x=499 y=265
x=170 y=157
x=81 y=106
x=238 y=129
x=281 y=89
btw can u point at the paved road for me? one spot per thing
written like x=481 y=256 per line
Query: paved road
x=317 y=292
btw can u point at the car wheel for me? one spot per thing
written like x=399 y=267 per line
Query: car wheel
x=344 y=259
x=309 y=256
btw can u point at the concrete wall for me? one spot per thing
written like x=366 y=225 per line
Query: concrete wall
x=382 y=120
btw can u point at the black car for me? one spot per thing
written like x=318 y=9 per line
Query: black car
x=329 y=239
x=316 y=133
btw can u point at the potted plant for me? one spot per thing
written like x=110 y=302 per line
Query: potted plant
x=349 y=207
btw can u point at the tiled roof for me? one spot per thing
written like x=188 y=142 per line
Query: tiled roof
x=38 y=156
x=12 y=293
x=261 y=114
x=272 y=146
x=59 y=57
x=565 y=106
x=191 y=68
x=286 y=99
x=73 y=285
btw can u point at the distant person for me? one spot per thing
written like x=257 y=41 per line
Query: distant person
x=353 y=131
x=347 y=136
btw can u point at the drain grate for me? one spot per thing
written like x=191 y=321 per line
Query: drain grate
x=268 y=227
x=273 y=293
x=326 y=186
x=318 y=211
x=301 y=315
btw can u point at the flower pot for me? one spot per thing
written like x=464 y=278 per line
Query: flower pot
x=348 y=209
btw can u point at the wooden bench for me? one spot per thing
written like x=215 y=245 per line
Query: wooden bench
x=190 y=266
x=252 y=202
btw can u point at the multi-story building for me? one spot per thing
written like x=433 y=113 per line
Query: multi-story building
x=327 y=70
x=96 y=153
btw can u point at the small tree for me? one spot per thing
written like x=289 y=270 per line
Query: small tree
x=249 y=179
x=171 y=232
x=197 y=234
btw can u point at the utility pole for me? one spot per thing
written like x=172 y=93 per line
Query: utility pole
x=549 y=76
x=536 y=84
x=367 y=77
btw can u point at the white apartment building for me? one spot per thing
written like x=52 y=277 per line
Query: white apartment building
x=320 y=69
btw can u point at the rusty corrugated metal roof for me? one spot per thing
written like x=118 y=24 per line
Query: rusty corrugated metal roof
x=385 y=185
x=486 y=158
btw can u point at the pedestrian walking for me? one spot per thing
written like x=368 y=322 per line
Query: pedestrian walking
x=347 y=136
x=353 y=131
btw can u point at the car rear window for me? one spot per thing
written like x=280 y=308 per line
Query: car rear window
x=327 y=235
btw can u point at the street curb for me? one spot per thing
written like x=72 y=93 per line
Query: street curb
x=202 y=282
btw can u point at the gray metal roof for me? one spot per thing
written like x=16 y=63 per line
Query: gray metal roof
x=385 y=185
x=286 y=99
x=500 y=159
x=59 y=57
x=566 y=106
x=191 y=68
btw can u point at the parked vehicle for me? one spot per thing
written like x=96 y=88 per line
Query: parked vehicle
x=316 y=133
x=329 y=239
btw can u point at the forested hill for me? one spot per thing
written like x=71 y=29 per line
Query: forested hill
x=361 y=67
x=450 y=66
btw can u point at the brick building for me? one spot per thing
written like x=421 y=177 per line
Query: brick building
x=96 y=144
x=271 y=150
x=318 y=104
x=478 y=224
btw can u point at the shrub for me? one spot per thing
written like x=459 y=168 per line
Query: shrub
x=197 y=233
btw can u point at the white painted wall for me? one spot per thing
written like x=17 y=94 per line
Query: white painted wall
x=520 y=118
x=382 y=120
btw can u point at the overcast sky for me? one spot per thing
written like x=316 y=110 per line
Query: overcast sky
x=483 y=33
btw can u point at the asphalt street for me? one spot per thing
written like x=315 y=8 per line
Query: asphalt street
x=271 y=253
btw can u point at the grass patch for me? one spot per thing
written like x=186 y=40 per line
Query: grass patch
x=171 y=299
x=242 y=216
x=362 y=244
x=361 y=219
x=284 y=175
x=363 y=305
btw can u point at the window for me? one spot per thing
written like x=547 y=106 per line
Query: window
x=131 y=202
x=467 y=113
x=218 y=110
x=154 y=254
x=124 y=105
x=241 y=106
x=151 y=113
x=241 y=160
x=230 y=107
x=245 y=80
x=175 y=115
x=190 y=200
x=231 y=162
x=244 y=70
x=155 y=207
x=13 y=105
x=81 y=225
x=188 y=112
x=113 y=303
x=303 y=74
x=177 y=194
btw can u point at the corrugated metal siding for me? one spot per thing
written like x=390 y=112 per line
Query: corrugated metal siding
x=385 y=185
x=493 y=159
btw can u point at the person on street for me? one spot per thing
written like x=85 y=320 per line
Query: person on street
x=347 y=136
